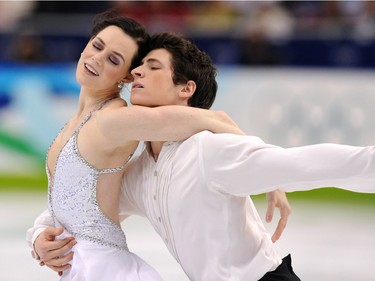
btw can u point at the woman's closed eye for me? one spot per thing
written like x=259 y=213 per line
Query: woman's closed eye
x=114 y=60
x=97 y=46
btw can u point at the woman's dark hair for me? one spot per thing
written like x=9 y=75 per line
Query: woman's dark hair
x=189 y=63
x=129 y=27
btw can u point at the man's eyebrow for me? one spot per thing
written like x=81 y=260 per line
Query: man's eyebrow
x=116 y=53
x=149 y=60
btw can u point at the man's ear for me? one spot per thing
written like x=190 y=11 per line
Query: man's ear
x=188 y=90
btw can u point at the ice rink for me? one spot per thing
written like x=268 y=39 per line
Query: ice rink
x=327 y=242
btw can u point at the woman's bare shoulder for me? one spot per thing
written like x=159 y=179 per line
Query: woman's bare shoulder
x=118 y=102
x=112 y=106
x=111 y=115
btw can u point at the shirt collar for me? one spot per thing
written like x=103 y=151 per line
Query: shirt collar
x=165 y=145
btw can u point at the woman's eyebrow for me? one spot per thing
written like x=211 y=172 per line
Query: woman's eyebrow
x=118 y=54
x=100 y=39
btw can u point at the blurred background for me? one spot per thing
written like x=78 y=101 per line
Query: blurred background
x=291 y=72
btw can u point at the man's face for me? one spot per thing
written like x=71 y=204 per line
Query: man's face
x=153 y=84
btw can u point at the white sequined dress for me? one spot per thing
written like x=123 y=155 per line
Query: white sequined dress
x=101 y=253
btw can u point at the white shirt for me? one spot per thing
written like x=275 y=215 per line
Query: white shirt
x=195 y=196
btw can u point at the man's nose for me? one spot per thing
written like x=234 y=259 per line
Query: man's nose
x=136 y=72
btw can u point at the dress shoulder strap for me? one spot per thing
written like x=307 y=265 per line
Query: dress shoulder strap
x=88 y=116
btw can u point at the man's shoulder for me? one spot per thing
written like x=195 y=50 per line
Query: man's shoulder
x=207 y=137
x=201 y=135
x=198 y=137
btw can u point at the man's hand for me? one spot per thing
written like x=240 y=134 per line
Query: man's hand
x=277 y=199
x=51 y=252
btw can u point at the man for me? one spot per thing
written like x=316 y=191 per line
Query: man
x=195 y=193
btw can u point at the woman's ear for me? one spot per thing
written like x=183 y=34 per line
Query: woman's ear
x=188 y=90
x=129 y=78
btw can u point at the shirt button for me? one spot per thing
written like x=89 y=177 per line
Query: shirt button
x=154 y=197
x=165 y=240
x=155 y=173
x=159 y=219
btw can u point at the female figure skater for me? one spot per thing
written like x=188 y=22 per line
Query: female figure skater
x=85 y=162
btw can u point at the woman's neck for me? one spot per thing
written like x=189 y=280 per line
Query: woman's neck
x=88 y=101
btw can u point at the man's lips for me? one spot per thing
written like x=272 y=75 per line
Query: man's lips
x=137 y=85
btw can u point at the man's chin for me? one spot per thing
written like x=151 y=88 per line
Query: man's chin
x=135 y=100
x=142 y=104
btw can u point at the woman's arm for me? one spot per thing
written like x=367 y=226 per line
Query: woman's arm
x=163 y=123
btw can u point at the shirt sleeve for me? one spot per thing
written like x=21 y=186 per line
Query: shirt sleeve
x=43 y=221
x=244 y=165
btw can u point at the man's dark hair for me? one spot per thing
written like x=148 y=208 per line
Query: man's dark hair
x=129 y=26
x=189 y=63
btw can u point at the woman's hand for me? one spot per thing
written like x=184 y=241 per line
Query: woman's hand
x=228 y=125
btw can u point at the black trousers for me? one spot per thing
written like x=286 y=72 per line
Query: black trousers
x=284 y=272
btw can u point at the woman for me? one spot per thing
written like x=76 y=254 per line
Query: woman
x=85 y=162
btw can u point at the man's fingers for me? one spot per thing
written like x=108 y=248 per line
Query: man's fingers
x=270 y=211
x=59 y=250
x=59 y=261
x=272 y=202
x=48 y=250
x=59 y=269
x=63 y=244
x=51 y=232
x=278 y=199
x=284 y=215
x=279 y=229
x=67 y=247
x=49 y=246
x=65 y=259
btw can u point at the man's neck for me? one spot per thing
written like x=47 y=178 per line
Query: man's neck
x=155 y=147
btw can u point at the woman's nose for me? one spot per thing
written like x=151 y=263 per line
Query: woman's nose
x=97 y=58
